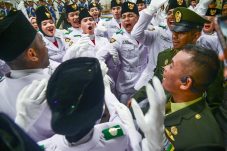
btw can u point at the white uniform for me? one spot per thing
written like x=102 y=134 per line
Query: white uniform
x=211 y=42
x=112 y=26
x=55 y=53
x=74 y=32
x=133 y=58
x=10 y=88
x=95 y=140
x=4 y=68
x=157 y=39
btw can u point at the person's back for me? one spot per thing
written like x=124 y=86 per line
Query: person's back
x=26 y=58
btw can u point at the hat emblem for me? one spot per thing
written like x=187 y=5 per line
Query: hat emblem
x=74 y=7
x=212 y=12
x=118 y=1
x=47 y=14
x=178 y=16
x=94 y=4
x=180 y=2
x=130 y=6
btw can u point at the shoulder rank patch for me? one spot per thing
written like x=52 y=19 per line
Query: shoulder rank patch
x=112 y=40
x=113 y=132
x=120 y=32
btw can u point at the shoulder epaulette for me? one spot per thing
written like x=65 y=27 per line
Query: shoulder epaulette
x=113 y=132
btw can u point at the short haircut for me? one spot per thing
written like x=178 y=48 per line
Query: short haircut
x=205 y=64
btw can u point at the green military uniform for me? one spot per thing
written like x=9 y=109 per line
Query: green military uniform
x=185 y=20
x=193 y=125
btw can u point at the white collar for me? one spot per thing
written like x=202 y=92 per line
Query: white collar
x=15 y=74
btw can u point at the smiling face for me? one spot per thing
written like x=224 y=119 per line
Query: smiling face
x=141 y=6
x=73 y=19
x=116 y=11
x=48 y=27
x=209 y=27
x=180 y=39
x=129 y=19
x=94 y=12
x=170 y=19
x=88 y=25
x=173 y=73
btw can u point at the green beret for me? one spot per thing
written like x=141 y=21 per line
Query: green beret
x=186 y=20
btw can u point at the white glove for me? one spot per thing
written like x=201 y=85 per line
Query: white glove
x=152 y=124
x=113 y=52
x=77 y=49
x=31 y=103
x=104 y=68
x=154 y=6
x=101 y=28
x=125 y=115
x=202 y=7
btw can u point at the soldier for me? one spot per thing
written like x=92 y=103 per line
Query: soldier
x=189 y=121
x=131 y=54
x=72 y=13
x=34 y=23
x=187 y=30
x=224 y=9
x=141 y=4
x=27 y=58
x=60 y=7
x=54 y=39
x=30 y=9
x=88 y=43
x=114 y=24
x=95 y=11
x=51 y=8
x=72 y=100
x=83 y=4
x=192 y=5
x=156 y=38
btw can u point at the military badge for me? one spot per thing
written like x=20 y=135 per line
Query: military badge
x=213 y=12
x=180 y=2
x=112 y=40
x=169 y=134
x=174 y=130
x=197 y=116
x=48 y=14
x=118 y=1
x=131 y=6
x=113 y=132
x=67 y=40
x=178 y=16
x=94 y=4
x=74 y=7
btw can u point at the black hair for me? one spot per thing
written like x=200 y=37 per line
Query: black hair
x=205 y=64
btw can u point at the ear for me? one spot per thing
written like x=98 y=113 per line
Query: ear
x=186 y=83
x=196 y=36
x=32 y=55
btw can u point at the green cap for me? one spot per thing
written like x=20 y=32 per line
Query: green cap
x=186 y=20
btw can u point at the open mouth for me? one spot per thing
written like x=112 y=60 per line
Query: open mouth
x=51 y=30
x=90 y=28
x=206 y=26
x=128 y=25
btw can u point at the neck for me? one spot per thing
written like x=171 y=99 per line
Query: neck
x=52 y=39
x=185 y=97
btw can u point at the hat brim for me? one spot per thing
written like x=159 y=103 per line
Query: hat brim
x=181 y=28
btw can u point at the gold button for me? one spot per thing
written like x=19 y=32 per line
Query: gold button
x=174 y=130
x=198 y=116
x=166 y=62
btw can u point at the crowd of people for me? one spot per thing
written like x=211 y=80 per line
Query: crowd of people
x=150 y=76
